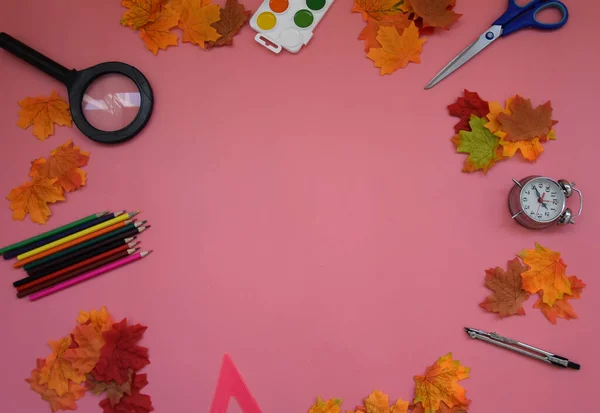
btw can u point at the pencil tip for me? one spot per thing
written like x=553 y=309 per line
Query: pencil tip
x=148 y=226
x=116 y=214
x=132 y=214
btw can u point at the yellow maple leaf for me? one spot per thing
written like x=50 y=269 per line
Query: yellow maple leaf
x=33 y=198
x=141 y=12
x=378 y=402
x=196 y=20
x=157 y=34
x=329 y=406
x=64 y=402
x=90 y=342
x=43 y=112
x=100 y=319
x=396 y=50
x=63 y=165
x=57 y=371
x=376 y=9
x=440 y=384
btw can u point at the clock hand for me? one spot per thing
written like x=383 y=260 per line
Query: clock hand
x=537 y=192
x=542 y=202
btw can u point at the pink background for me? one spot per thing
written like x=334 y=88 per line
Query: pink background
x=310 y=216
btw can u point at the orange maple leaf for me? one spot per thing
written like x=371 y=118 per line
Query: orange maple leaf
x=435 y=13
x=328 y=406
x=141 y=12
x=43 y=112
x=443 y=408
x=157 y=34
x=376 y=9
x=57 y=371
x=90 y=342
x=196 y=20
x=546 y=273
x=397 y=50
x=233 y=17
x=440 y=384
x=562 y=308
x=378 y=402
x=526 y=123
x=33 y=198
x=369 y=34
x=509 y=296
x=63 y=165
x=100 y=319
x=66 y=402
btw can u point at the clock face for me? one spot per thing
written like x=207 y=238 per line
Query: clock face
x=542 y=199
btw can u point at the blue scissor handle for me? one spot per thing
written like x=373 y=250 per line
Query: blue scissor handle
x=520 y=17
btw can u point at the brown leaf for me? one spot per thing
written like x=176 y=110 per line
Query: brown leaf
x=233 y=17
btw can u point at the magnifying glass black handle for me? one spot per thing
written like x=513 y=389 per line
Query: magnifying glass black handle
x=35 y=58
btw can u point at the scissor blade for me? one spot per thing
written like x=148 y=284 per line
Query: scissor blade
x=463 y=57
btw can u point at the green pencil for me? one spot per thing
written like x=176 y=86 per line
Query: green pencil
x=50 y=233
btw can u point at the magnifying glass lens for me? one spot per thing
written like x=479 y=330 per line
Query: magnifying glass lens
x=111 y=102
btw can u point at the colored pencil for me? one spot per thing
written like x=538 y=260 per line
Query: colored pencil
x=63 y=275
x=79 y=234
x=50 y=233
x=88 y=275
x=24 y=292
x=69 y=244
x=70 y=261
x=81 y=227
x=127 y=231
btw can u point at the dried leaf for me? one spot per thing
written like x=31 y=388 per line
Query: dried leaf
x=546 y=273
x=482 y=146
x=378 y=402
x=329 y=406
x=196 y=20
x=369 y=34
x=525 y=123
x=134 y=403
x=121 y=353
x=562 y=308
x=435 y=13
x=86 y=355
x=114 y=391
x=141 y=12
x=157 y=34
x=43 y=113
x=440 y=384
x=57 y=371
x=397 y=50
x=466 y=106
x=443 y=408
x=63 y=164
x=495 y=109
x=376 y=9
x=99 y=319
x=66 y=402
x=33 y=198
x=509 y=296
x=233 y=17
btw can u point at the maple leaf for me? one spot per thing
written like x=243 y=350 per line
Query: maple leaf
x=526 y=123
x=466 y=106
x=481 y=145
x=134 y=403
x=440 y=384
x=397 y=50
x=33 y=198
x=141 y=12
x=233 y=17
x=43 y=113
x=114 y=391
x=157 y=34
x=376 y=9
x=435 y=13
x=86 y=355
x=328 y=406
x=369 y=34
x=495 y=109
x=196 y=20
x=63 y=164
x=443 y=408
x=562 y=308
x=66 y=402
x=58 y=371
x=121 y=352
x=546 y=273
x=377 y=402
x=509 y=296
x=100 y=319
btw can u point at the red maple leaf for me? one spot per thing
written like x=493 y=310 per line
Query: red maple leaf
x=134 y=403
x=463 y=108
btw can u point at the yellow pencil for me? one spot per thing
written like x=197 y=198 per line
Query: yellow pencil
x=79 y=234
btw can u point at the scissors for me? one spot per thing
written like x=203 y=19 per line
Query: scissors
x=514 y=19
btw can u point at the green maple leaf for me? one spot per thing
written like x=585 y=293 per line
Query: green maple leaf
x=481 y=145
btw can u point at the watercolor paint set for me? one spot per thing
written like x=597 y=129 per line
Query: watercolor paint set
x=287 y=24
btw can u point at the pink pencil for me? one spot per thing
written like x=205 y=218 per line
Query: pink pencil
x=88 y=275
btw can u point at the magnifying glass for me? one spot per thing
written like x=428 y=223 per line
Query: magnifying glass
x=110 y=102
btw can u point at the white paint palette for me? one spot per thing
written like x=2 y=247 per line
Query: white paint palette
x=287 y=24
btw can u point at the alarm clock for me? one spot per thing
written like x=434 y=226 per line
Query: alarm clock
x=539 y=202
